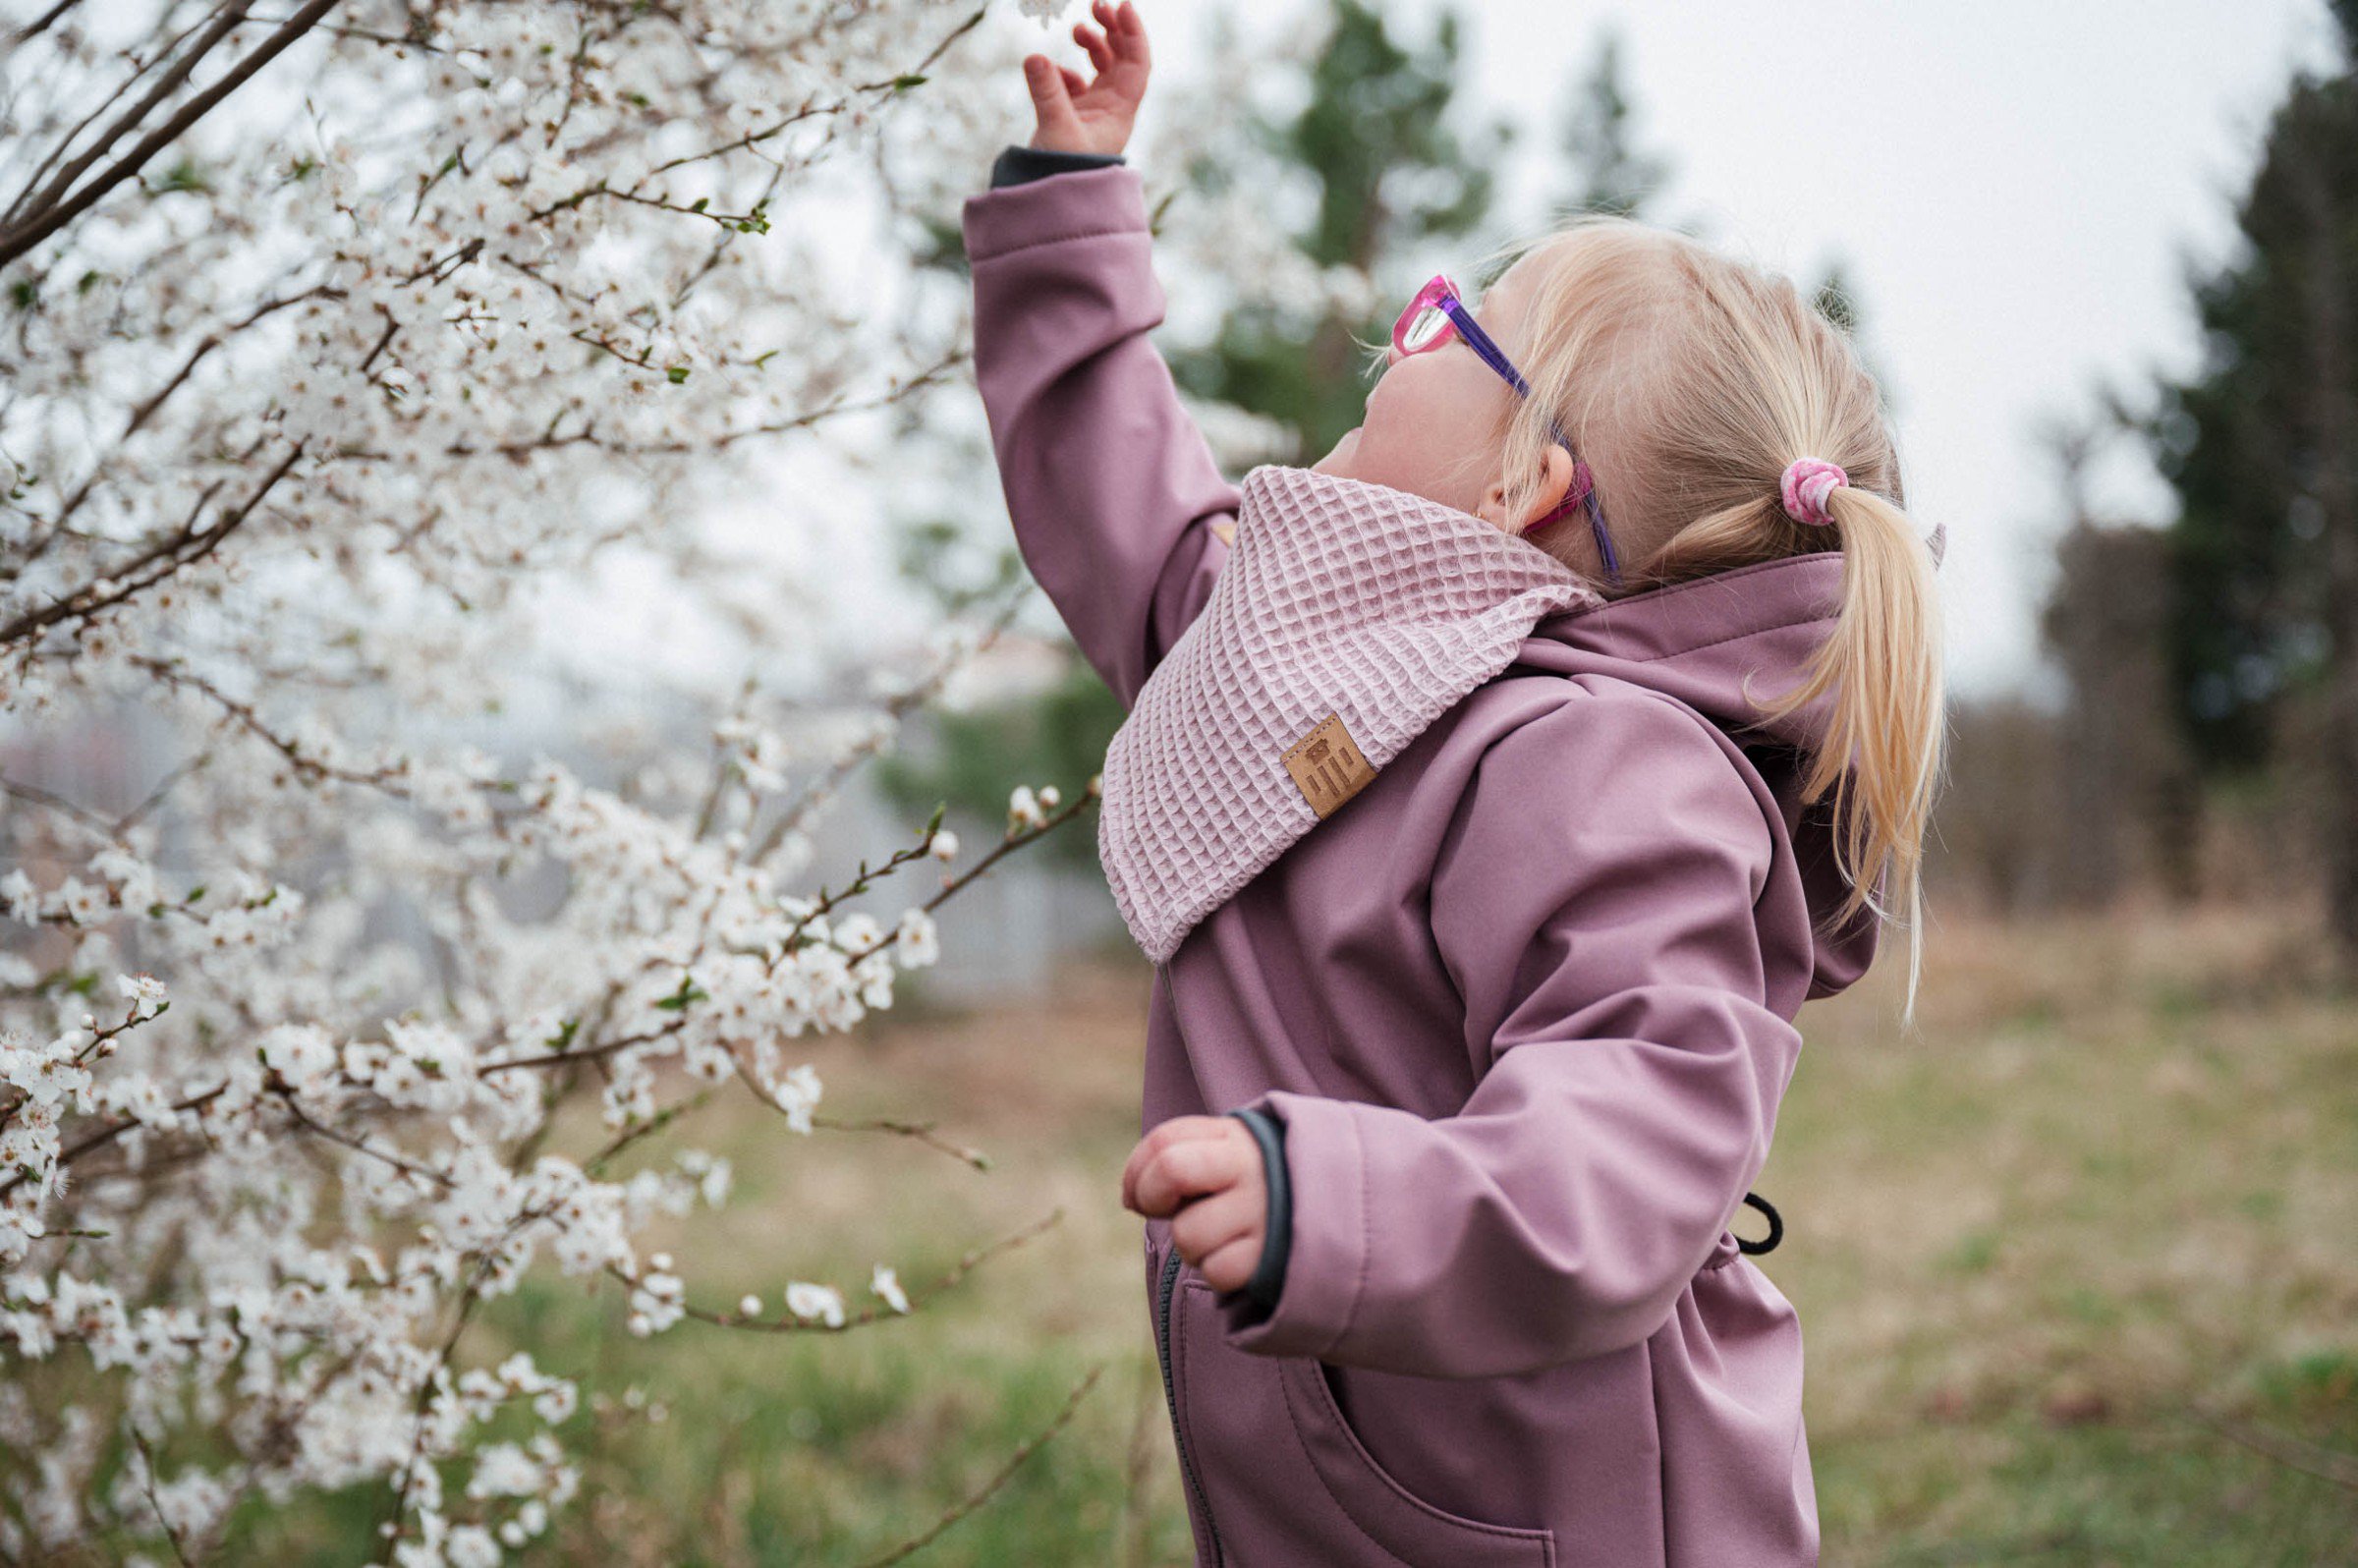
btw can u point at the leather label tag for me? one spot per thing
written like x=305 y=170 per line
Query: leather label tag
x=1327 y=766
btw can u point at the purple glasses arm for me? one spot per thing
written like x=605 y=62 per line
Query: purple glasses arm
x=1480 y=341
x=1496 y=358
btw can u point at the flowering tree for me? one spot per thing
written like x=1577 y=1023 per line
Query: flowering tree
x=344 y=343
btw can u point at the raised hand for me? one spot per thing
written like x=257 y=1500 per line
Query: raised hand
x=1078 y=116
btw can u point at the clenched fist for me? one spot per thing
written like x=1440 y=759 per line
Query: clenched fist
x=1205 y=1170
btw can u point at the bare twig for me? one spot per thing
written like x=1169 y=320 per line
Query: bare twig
x=790 y=1324
x=966 y=1506
x=147 y=1458
x=919 y=692
x=319 y=1129
x=2310 y=1459
x=55 y=208
x=42 y=23
x=922 y=1132
x=224 y=20
x=37 y=796
x=190 y=543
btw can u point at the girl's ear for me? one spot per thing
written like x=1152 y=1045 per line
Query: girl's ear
x=1555 y=479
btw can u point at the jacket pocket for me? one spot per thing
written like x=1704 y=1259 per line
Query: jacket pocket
x=1288 y=1481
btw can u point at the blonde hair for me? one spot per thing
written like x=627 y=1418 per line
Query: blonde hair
x=1690 y=381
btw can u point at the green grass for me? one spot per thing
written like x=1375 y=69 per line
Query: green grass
x=2074 y=1267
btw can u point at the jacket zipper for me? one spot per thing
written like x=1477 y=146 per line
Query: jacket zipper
x=1162 y=1343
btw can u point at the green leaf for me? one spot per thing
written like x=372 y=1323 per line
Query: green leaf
x=186 y=176
x=677 y=374
x=678 y=1001
x=905 y=82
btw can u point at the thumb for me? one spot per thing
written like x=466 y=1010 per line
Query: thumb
x=1050 y=103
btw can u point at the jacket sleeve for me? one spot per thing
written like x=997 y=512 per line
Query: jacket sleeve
x=1269 y=1275
x=1593 y=900
x=1017 y=164
x=1111 y=489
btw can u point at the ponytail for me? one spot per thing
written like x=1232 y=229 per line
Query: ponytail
x=1884 y=740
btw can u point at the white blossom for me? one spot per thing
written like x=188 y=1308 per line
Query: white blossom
x=807 y=1299
x=413 y=355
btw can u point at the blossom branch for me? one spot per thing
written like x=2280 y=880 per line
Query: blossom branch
x=895 y=706
x=54 y=209
x=790 y=1324
x=151 y=565
x=148 y=1485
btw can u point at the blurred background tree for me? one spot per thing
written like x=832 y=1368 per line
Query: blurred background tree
x=1390 y=171
x=1606 y=171
x=2263 y=627
x=2124 y=798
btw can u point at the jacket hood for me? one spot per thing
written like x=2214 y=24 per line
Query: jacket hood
x=1701 y=641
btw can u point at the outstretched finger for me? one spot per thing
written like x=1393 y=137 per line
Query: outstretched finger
x=1074 y=82
x=1100 y=54
x=1129 y=35
x=1049 y=100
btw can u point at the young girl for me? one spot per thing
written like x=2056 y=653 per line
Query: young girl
x=1474 y=804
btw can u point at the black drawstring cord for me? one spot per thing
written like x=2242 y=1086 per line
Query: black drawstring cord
x=1777 y=1228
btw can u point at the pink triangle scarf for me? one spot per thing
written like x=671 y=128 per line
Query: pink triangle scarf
x=1348 y=616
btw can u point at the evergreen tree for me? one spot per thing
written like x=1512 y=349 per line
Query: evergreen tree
x=2259 y=446
x=2124 y=800
x=1609 y=174
x=1391 y=173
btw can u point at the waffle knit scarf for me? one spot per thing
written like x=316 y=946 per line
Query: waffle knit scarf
x=1347 y=618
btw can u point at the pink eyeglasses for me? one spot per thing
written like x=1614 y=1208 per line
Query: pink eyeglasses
x=1431 y=319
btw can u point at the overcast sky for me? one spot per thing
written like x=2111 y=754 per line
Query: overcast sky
x=2009 y=185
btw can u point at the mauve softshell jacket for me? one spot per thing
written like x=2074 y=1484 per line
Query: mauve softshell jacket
x=1523 y=1008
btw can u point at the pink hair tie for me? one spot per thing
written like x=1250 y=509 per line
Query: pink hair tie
x=1808 y=483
